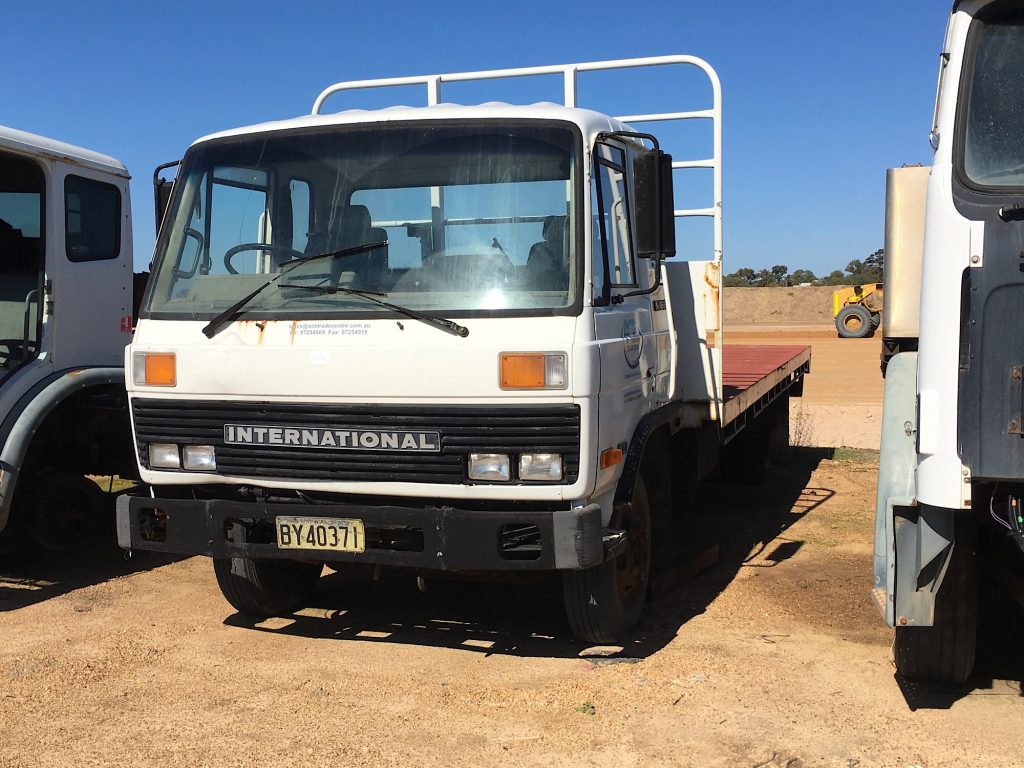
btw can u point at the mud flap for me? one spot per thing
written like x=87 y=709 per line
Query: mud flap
x=912 y=541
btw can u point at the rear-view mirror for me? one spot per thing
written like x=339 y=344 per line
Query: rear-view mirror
x=162 y=189
x=655 y=205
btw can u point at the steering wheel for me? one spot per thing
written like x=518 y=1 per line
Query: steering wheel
x=230 y=253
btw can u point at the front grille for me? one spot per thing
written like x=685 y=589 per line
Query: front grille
x=511 y=429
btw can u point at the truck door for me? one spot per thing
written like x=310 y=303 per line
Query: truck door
x=90 y=315
x=622 y=322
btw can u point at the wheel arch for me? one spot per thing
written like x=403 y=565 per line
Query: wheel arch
x=658 y=425
x=29 y=415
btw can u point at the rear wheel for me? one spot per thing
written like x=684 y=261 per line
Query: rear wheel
x=603 y=603
x=64 y=510
x=854 y=322
x=263 y=588
x=944 y=652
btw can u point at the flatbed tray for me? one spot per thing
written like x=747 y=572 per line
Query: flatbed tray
x=753 y=374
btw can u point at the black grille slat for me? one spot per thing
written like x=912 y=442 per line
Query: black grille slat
x=463 y=429
x=347 y=475
x=327 y=457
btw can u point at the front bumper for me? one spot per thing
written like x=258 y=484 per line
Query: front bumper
x=435 y=538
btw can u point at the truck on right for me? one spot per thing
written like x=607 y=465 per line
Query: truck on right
x=950 y=507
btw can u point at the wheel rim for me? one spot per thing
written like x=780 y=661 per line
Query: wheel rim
x=853 y=323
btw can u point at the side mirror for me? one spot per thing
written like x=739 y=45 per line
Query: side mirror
x=162 y=189
x=655 y=205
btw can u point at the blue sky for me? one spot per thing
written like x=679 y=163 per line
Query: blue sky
x=820 y=98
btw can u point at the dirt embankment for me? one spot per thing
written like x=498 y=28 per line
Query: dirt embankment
x=779 y=306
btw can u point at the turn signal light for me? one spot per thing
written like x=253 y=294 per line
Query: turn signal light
x=532 y=370
x=610 y=457
x=154 y=369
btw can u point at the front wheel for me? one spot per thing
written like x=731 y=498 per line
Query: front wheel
x=264 y=588
x=944 y=652
x=854 y=322
x=603 y=603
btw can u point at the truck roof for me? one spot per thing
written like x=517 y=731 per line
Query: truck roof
x=589 y=122
x=23 y=142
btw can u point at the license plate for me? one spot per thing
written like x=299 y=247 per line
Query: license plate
x=322 y=533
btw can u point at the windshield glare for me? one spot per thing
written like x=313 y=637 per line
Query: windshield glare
x=994 y=149
x=477 y=217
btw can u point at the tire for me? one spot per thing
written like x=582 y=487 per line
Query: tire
x=876 y=320
x=65 y=511
x=604 y=603
x=944 y=653
x=264 y=588
x=854 y=322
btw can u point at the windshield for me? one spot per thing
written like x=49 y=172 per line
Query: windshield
x=477 y=217
x=994 y=136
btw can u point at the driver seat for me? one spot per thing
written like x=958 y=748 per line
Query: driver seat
x=545 y=267
x=347 y=227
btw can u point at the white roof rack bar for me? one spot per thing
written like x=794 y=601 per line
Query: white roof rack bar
x=569 y=74
x=693 y=163
x=703 y=114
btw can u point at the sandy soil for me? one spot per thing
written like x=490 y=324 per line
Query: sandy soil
x=774 y=657
x=779 y=306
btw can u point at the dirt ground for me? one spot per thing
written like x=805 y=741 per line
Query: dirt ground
x=775 y=657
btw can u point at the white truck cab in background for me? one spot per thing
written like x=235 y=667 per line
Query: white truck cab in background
x=65 y=318
x=951 y=477
x=440 y=338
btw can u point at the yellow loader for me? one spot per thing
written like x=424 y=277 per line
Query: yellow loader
x=857 y=310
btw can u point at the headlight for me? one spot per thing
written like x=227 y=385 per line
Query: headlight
x=164 y=456
x=201 y=457
x=493 y=467
x=540 y=466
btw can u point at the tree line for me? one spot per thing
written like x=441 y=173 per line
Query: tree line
x=857 y=272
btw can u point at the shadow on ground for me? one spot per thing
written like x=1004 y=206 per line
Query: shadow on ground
x=32 y=575
x=730 y=522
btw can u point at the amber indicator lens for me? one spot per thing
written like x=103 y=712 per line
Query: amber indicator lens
x=522 y=371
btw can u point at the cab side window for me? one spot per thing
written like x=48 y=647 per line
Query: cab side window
x=92 y=219
x=613 y=240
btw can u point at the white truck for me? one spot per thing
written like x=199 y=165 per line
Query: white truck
x=951 y=474
x=65 y=318
x=440 y=338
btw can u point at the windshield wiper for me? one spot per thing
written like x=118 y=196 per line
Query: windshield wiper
x=448 y=326
x=224 y=319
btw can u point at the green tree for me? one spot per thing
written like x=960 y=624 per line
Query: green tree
x=801 y=276
x=764 y=278
x=741 y=278
x=875 y=264
x=867 y=271
x=835 y=278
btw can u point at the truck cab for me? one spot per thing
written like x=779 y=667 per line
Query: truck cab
x=951 y=476
x=65 y=318
x=443 y=338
